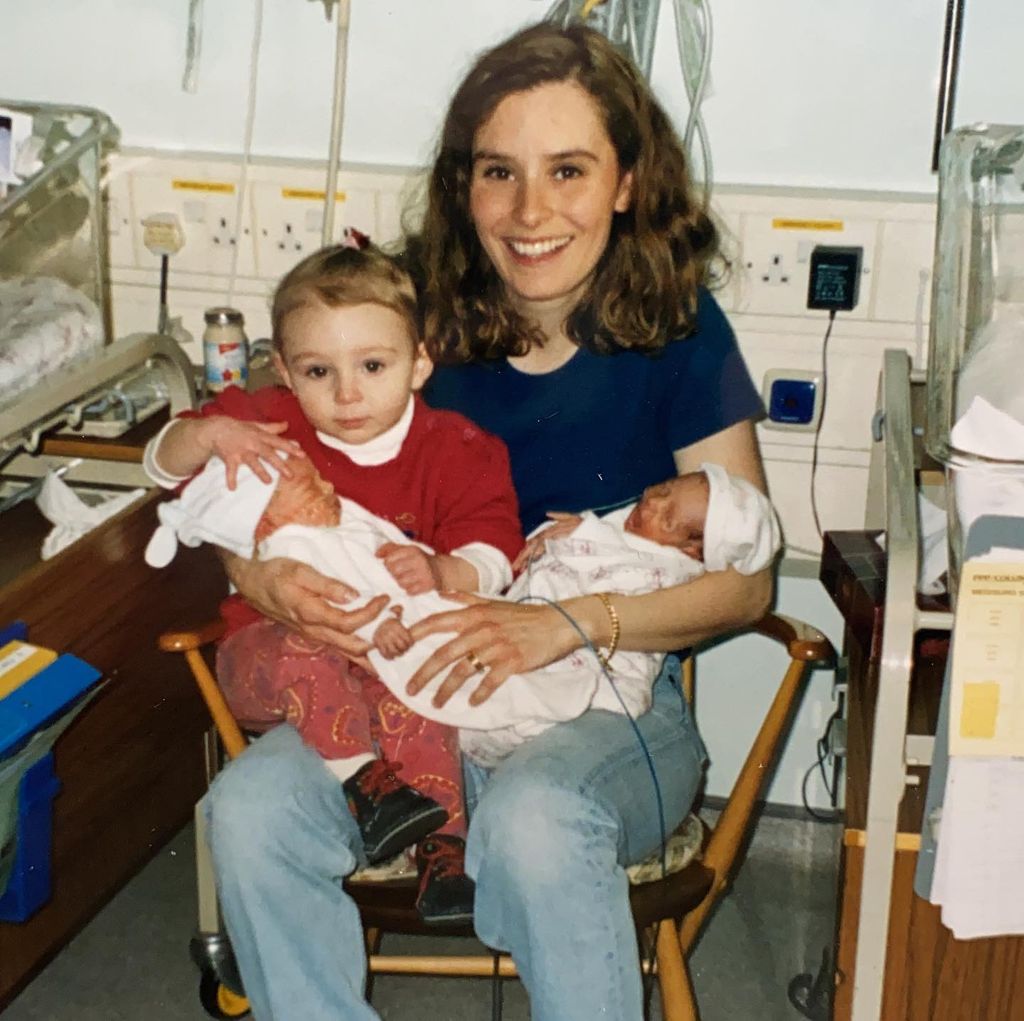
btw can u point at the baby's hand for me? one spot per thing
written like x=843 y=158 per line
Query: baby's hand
x=562 y=525
x=249 y=443
x=410 y=566
x=392 y=638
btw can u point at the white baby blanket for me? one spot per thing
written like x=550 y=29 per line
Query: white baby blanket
x=742 y=531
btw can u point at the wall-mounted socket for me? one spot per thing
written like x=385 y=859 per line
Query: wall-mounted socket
x=207 y=208
x=289 y=222
x=775 y=257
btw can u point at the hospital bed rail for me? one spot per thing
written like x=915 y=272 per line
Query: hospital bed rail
x=62 y=399
x=893 y=750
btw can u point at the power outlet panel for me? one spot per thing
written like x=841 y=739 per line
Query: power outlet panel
x=775 y=258
x=288 y=221
x=207 y=206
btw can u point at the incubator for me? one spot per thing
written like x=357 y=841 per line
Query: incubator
x=63 y=375
x=975 y=415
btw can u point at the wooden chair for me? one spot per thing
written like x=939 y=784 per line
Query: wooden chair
x=669 y=910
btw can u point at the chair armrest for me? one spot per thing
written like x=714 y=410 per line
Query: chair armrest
x=187 y=641
x=802 y=641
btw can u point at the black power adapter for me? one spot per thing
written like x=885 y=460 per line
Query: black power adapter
x=834 y=279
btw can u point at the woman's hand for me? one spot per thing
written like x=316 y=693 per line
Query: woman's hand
x=495 y=638
x=563 y=525
x=295 y=594
x=250 y=443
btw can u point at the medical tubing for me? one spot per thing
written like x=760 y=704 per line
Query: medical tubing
x=629 y=716
x=695 y=92
x=250 y=120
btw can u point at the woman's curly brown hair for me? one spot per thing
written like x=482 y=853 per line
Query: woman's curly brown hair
x=644 y=289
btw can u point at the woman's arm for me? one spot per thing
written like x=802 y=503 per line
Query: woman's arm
x=713 y=604
x=509 y=638
x=295 y=594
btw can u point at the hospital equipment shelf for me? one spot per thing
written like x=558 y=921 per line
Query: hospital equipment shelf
x=133 y=765
x=895 y=958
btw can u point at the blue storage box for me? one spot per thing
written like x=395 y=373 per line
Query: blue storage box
x=32 y=717
x=28 y=887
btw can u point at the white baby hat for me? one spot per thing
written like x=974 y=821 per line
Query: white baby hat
x=742 y=530
x=207 y=511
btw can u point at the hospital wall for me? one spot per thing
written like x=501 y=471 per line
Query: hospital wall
x=820 y=118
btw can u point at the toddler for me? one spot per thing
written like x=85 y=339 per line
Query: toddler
x=347 y=348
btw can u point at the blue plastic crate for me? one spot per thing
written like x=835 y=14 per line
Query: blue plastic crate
x=37 y=703
x=28 y=887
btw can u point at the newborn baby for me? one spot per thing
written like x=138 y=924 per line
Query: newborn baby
x=660 y=541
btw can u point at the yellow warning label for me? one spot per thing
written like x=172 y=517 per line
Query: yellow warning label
x=786 y=224
x=221 y=187
x=310 y=193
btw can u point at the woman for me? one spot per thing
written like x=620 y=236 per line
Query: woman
x=562 y=259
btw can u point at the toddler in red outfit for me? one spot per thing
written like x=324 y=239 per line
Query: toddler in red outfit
x=347 y=349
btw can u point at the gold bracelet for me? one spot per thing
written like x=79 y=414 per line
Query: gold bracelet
x=613 y=616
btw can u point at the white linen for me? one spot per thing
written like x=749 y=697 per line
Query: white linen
x=599 y=556
x=207 y=511
x=71 y=516
x=45 y=325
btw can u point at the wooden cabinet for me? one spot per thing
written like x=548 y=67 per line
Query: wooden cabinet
x=929 y=975
x=132 y=765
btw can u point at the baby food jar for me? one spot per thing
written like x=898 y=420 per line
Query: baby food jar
x=225 y=349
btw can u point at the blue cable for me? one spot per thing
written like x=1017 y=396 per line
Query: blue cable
x=636 y=730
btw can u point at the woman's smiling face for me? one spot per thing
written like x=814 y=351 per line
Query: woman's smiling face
x=546 y=183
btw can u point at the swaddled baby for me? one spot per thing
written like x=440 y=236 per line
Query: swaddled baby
x=706 y=520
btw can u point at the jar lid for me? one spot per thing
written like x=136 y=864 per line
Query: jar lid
x=222 y=315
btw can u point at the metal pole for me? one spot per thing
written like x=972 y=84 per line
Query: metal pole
x=337 y=119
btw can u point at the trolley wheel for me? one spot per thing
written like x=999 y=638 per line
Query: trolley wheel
x=217 y=1000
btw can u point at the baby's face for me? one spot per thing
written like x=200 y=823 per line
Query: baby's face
x=672 y=513
x=303 y=499
x=351 y=368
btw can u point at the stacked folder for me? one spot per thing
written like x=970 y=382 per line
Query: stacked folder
x=40 y=694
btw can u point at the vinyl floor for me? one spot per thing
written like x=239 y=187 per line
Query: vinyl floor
x=131 y=962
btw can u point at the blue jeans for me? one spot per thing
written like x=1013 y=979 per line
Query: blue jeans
x=550 y=831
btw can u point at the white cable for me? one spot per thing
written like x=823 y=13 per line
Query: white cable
x=193 y=46
x=250 y=119
x=337 y=119
x=696 y=87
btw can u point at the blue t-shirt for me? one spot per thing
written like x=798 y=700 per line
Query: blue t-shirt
x=595 y=432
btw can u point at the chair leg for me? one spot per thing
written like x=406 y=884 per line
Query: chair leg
x=677 y=1000
x=373 y=939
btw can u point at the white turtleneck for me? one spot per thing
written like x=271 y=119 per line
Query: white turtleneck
x=380 y=449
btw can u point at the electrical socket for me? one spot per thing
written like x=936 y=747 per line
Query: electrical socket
x=775 y=256
x=289 y=223
x=207 y=208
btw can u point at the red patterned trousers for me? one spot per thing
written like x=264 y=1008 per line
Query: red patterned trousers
x=269 y=674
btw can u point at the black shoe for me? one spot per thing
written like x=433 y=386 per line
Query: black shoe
x=446 y=892
x=391 y=815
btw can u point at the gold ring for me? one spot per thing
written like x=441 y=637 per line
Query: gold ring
x=474 y=661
